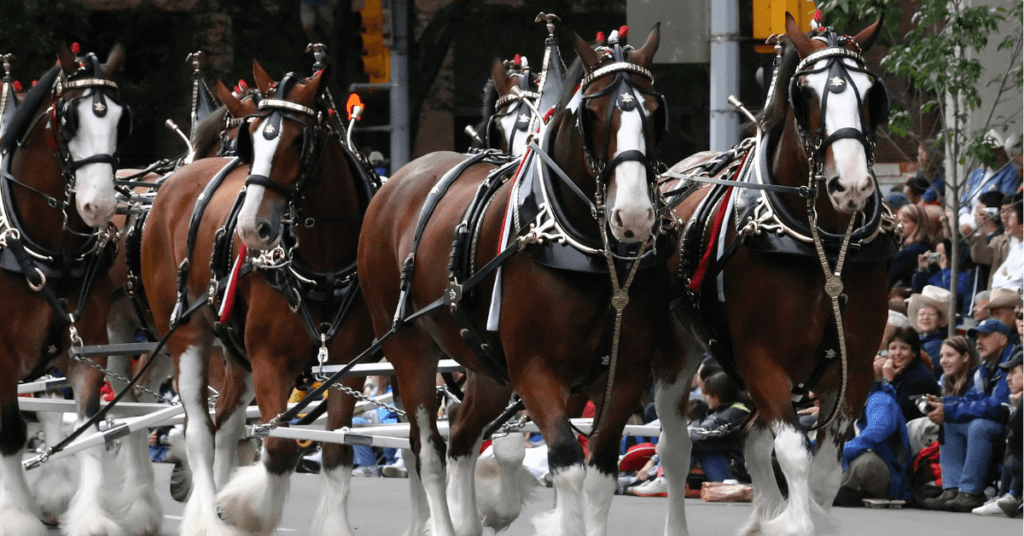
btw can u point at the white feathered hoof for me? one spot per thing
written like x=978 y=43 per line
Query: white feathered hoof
x=54 y=490
x=501 y=496
x=254 y=499
x=17 y=522
x=181 y=481
x=143 y=515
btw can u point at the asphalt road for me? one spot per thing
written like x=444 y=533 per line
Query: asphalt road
x=380 y=506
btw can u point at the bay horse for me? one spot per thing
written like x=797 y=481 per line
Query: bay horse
x=762 y=278
x=297 y=166
x=555 y=324
x=141 y=508
x=59 y=157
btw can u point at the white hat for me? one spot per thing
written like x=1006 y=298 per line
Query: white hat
x=936 y=297
x=1003 y=297
x=993 y=139
x=898 y=319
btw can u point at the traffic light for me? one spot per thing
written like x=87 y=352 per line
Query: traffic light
x=770 y=18
x=375 y=40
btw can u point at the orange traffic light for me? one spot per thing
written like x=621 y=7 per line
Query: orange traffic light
x=770 y=18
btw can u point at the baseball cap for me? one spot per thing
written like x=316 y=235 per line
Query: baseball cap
x=990 y=325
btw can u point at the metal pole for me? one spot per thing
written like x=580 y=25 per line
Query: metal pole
x=725 y=80
x=400 y=85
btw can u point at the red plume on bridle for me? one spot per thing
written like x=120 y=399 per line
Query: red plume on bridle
x=600 y=37
x=75 y=48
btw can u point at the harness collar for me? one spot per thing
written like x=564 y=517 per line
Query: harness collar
x=286 y=105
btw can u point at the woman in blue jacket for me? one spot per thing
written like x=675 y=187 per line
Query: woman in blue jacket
x=875 y=462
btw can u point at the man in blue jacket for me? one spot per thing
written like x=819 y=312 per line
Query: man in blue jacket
x=1002 y=178
x=973 y=424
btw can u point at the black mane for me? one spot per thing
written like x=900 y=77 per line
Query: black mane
x=490 y=97
x=208 y=131
x=26 y=111
x=774 y=113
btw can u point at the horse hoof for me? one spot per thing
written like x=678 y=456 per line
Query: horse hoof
x=50 y=520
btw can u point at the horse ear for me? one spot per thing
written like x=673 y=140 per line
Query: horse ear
x=645 y=56
x=263 y=80
x=114 y=60
x=307 y=92
x=66 y=59
x=804 y=45
x=867 y=36
x=234 y=106
x=502 y=81
x=588 y=55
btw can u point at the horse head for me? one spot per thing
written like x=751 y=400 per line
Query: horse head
x=92 y=124
x=236 y=110
x=837 y=104
x=620 y=119
x=509 y=126
x=278 y=145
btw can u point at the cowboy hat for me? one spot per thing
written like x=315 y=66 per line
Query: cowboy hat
x=936 y=297
x=1003 y=297
x=636 y=457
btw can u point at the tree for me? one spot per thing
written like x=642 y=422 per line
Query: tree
x=940 y=55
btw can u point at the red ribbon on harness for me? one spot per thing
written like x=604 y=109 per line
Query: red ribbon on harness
x=229 y=294
x=702 y=267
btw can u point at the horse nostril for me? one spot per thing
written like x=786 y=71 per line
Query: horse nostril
x=263 y=230
x=834 y=186
x=618 y=219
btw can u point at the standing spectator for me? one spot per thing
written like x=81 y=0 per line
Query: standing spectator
x=905 y=372
x=308 y=12
x=927 y=311
x=915 y=242
x=1002 y=177
x=930 y=175
x=1010 y=482
x=990 y=251
x=1010 y=273
x=972 y=424
x=875 y=461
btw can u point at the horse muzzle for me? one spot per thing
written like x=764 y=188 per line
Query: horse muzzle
x=631 y=225
x=259 y=220
x=849 y=196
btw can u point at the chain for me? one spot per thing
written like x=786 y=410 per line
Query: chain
x=116 y=376
x=364 y=398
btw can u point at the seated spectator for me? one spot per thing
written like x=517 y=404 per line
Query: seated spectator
x=972 y=424
x=1002 y=177
x=933 y=268
x=927 y=311
x=896 y=200
x=716 y=438
x=1006 y=270
x=979 y=309
x=875 y=461
x=1008 y=503
x=915 y=242
x=929 y=177
x=905 y=372
x=958 y=362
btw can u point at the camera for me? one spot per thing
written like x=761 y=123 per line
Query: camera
x=934 y=257
x=921 y=401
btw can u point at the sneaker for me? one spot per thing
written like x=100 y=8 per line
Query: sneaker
x=990 y=508
x=1009 y=505
x=964 y=502
x=366 y=470
x=655 y=488
x=393 y=471
x=936 y=503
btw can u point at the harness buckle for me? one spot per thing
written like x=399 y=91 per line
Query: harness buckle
x=42 y=280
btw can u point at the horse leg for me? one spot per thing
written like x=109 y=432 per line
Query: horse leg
x=565 y=456
x=254 y=498
x=792 y=449
x=19 y=514
x=331 y=517
x=235 y=395
x=415 y=356
x=419 y=508
x=56 y=482
x=827 y=473
x=142 y=511
x=483 y=399
x=200 y=517
x=90 y=510
x=673 y=373
x=768 y=502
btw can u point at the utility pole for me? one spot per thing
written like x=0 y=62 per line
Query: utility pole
x=725 y=74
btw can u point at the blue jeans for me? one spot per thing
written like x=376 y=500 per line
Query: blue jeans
x=967 y=452
x=716 y=466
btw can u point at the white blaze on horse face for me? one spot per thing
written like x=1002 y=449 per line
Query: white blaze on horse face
x=515 y=140
x=630 y=212
x=94 y=183
x=848 y=178
x=253 y=220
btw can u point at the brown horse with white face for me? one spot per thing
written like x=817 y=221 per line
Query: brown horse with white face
x=297 y=167
x=787 y=284
x=555 y=325
x=59 y=158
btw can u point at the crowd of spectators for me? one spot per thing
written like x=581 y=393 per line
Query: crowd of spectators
x=939 y=420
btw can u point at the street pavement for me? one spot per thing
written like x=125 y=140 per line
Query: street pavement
x=381 y=505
